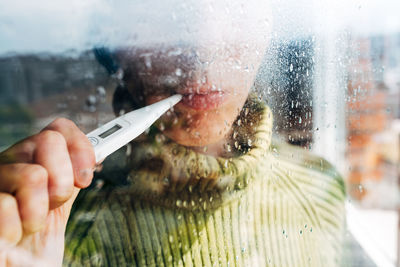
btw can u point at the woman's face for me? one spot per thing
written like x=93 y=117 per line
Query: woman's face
x=214 y=85
x=214 y=71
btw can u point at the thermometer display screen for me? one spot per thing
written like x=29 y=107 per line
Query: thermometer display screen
x=110 y=131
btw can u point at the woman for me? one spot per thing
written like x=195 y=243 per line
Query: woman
x=201 y=189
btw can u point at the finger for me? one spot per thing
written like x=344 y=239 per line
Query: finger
x=19 y=152
x=80 y=149
x=28 y=183
x=52 y=153
x=10 y=223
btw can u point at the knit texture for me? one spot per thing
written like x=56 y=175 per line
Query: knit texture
x=267 y=205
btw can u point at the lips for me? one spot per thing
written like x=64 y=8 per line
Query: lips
x=203 y=101
x=204 y=98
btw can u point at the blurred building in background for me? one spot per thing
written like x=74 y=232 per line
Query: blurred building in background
x=373 y=127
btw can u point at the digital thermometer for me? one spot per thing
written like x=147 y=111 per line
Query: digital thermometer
x=120 y=131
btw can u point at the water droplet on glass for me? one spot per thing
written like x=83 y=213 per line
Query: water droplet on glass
x=249 y=143
x=178 y=72
x=128 y=149
x=158 y=138
x=166 y=181
x=101 y=91
x=228 y=148
x=91 y=100
x=99 y=184
x=235 y=133
x=147 y=62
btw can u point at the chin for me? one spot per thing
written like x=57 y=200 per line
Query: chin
x=200 y=129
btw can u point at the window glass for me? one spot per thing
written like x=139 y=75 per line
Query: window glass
x=283 y=151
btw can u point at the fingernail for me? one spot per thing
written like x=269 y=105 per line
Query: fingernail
x=85 y=176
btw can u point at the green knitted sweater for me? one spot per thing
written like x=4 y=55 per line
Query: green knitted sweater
x=265 y=206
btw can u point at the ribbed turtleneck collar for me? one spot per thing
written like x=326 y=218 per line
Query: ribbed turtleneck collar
x=162 y=170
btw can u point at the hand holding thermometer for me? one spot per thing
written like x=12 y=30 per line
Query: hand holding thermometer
x=120 y=131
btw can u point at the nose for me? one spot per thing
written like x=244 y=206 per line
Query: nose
x=173 y=70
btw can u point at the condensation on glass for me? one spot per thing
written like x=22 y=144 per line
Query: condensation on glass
x=329 y=74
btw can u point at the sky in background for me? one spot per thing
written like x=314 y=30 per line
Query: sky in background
x=59 y=25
